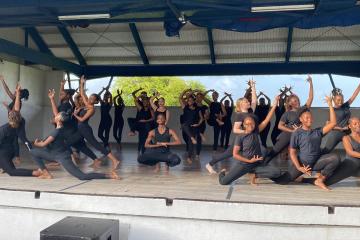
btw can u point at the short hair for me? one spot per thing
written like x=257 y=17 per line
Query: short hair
x=24 y=94
x=64 y=117
x=304 y=110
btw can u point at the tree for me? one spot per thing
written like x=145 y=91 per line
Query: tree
x=168 y=87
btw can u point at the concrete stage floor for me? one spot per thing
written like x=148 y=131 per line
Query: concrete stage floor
x=187 y=182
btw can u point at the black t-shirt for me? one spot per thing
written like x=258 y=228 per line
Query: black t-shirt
x=8 y=135
x=229 y=112
x=292 y=117
x=343 y=115
x=215 y=108
x=308 y=144
x=191 y=116
x=249 y=145
x=262 y=111
x=58 y=145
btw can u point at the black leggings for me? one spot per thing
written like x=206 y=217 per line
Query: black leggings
x=264 y=134
x=104 y=130
x=332 y=139
x=282 y=142
x=217 y=128
x=81 y=146
x=118 y=128
x=64 y=158
x=240 y=169
x=326 y=165
x=152 y=158
x=347 y=168
x=189 y=133
x=22 y=131
x=6 y=157
x=225 y=134
x=143 y=130
x=87 y=132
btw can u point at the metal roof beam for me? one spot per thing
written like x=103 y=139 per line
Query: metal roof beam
x=289 y=43
x=39 y=41
x=72 y=45
x=211 y=45
x=138 y=42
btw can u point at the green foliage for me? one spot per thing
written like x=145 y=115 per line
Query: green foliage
x=169 y=87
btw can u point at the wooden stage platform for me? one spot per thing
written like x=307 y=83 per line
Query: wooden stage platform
x=191 y=182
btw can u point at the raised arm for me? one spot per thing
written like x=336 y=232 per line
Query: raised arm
x=208 y=101
x=152 y=101
x=237 y=128
x=51 y=95
x=348 y=148
x=17 y=98
x=62 y=87
x=264 y=123
x=82 y=90
x=47 y=141
x=135 y=92
x=253 y=95
x=311 y=92
x=87 y=115
x=6 y=88
x=332 y=123
x=181 y=98
x=352 y=98
x=269 y=100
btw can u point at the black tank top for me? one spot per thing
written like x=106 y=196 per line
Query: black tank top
x=143 y=114
x=165 y=137
x=81 y=114
x=355 y=145
x=157 y=112
x=105 y=110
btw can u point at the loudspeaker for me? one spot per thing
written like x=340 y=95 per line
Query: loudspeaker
x=80 y=228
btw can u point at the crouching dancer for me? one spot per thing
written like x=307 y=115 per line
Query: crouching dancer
x=247 y=150
x=157 y=146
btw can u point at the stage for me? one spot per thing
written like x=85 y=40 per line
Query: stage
x=165 y=205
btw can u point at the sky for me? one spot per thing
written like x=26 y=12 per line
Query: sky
x=269 y=84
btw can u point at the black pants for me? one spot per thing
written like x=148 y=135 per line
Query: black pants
x=40 y=155
x=22 y=131
x=104 y=130
x=332 y=139
x=326 y=165
x=81 y=146
x=195 y=133
x=153 y=157
x=264 y=134
x=240 y=169
x=6 y=157
x=225 y=134
x=275 y=132
x=347 y=168
x=118 y=128
x=216 y=128
x=282 y=142
x=87 y=132
x=202 y=127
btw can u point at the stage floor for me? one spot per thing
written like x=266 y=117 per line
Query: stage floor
x=183 y=182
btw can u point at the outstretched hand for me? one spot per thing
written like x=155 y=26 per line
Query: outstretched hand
x=51 y=93
x=256 y=158
x=82 y=79
x=18 y=88
x=309 y=79
x=328 y=100
x=305 y=169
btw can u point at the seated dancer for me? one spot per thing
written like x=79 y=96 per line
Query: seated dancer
x=289 y=121
x=280 y=110
x=226 y=128
x=158 y=145
x=192 y=119
x=24 y=95
x=105 y=119
x=71 y=134
x=262 y=109
x=119 y=107
x=55 y=148
x=199 y=98
x=243 y=109
x=159 y=108
x=305 y=151
x=143 y=122
x=9 y=132
x=217 y=112
x=248 y=152
x=343 y=114
x=83 y=115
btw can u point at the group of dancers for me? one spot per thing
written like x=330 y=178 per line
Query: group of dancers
x=293 y=133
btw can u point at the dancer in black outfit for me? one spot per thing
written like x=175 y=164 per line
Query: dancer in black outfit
x=105 y=120
x=217 y=112
x=83 y=115
x=343 y=114
x=247 y=151
x=290 y=121
x=24 y=95
x=158 y=145
x=262 y=109
x=305 y=151
x=119 y=106
x=158 y=105
x=226 y=128
x=183 y=97
x=280 y=110
x=55 y=148
x=199 y=98
x=243 y=109
x=9 y=132
x=192 y=119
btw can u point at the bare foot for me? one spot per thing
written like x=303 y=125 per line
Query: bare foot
x=193 y=140
x=96 y=164
x=157 y=168
x=210 y=169
x=113 y=175
x=189 y=160
x=203 y=138
x=37 y=173
x=131 y=134
x=320 y=183
x=45 y=175
x=252 y=178
x=115 y=164
x=17 y=161
x=52 y=165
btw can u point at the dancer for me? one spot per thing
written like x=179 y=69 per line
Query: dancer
x=83 y=115
x=55 y=148
x=192 y=119
x=217 y=112
x=262 y=109
x=9 y=132
x=158 y=145
x=199 y=98
x=290 y=121
x=248 y=152
x=183 y=97
x=105 y=120
x=132 y=122
x=243 y=109
x=305 y=151
x=159 y=108
x=343 y=114
x=226 y=128
x=280 y=110
x=119 y=106
x=24 y=95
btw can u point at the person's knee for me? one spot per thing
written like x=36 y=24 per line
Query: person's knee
x=174 y=160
